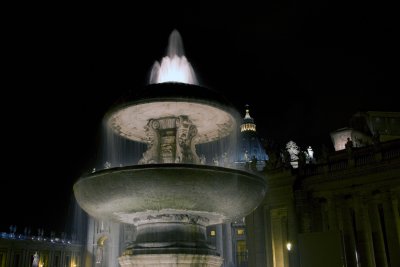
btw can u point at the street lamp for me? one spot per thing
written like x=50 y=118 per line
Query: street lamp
x=289 y=246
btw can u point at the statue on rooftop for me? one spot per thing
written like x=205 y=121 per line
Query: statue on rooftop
x=35 y=262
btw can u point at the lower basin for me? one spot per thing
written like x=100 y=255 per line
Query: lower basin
x=135 y=193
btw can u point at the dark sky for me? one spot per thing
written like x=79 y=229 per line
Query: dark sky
x=304 y=69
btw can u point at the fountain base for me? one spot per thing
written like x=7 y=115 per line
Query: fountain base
x=171 y=234
x=170 y=260
x=170 y=240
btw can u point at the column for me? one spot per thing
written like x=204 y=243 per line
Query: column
x=323 y=211
x=89 y=251
x=228 y=257
x=113 y=245
x=303 y=210
x=292 y=235
x=377 y=235
x=339 y=203
x=267 y=238
x=391 y=230
x=219 y=242
x=348 y=232
x=333 y=226
x=279 y=236
x=396 y=211
x=363 y=228
x=257 y=237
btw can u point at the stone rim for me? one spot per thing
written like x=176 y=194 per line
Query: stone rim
x=212 y=192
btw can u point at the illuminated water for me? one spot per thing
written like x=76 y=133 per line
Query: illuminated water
x=174 y=67
x=119 y=152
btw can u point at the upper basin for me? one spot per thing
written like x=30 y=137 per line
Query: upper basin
x=213 y=115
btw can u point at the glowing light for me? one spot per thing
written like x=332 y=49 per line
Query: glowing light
x=289 y=246
x=248 y=127
x=240 y=231
x=174 y=67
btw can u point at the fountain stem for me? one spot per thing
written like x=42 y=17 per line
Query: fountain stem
x=170 y=140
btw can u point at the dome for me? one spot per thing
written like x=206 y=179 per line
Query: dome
x=250 y=146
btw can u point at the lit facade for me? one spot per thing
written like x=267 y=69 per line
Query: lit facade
x=341 y=211
x=230 y=241
x=18 y=251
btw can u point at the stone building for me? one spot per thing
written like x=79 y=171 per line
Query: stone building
x=105 y=242
x=17 y=250
x=341 y=211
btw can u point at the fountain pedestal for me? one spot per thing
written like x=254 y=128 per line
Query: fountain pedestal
x=170 y=240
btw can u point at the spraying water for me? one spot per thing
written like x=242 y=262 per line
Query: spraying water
x=174 y=67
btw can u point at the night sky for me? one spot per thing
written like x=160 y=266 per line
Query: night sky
x=304 y=69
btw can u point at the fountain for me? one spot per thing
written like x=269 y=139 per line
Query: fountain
x=170 y=195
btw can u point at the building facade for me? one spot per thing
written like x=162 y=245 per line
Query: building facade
x=19 y=250
x=340 y=211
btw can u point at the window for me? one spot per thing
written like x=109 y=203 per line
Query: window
x=241 y=253
x=212 y=233
x=240 y=231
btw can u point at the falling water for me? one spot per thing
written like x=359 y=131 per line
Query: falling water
x=118 y=151
x=76 y=225
x=174 y=67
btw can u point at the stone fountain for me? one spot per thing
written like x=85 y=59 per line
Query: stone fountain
x=169 y=196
